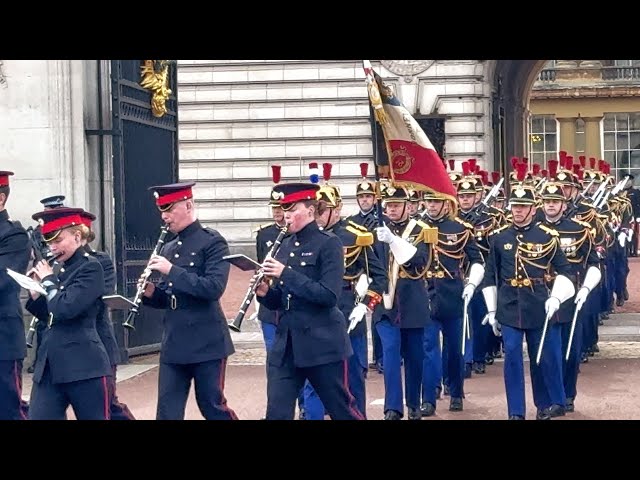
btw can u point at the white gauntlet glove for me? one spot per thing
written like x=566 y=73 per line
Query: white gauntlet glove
x=622 y=238
x=356 y=316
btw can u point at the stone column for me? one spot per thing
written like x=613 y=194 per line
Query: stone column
x=568 y=134
x=592 y=137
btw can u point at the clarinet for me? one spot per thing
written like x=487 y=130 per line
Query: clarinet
x=257 y=279
x=133 y=312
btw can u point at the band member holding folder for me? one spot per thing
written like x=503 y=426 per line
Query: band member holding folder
x=14 y=254
x=73 y=364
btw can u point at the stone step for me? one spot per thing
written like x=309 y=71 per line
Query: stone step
x=275 y=130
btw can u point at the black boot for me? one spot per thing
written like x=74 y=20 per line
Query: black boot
x=392 y=415
x=455 y=405
x=427 y=409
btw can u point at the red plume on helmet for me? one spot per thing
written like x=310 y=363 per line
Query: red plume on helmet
x=326 y=171
x=452 y=164
x=536 y=168
x=275 y=173
x=583 y=161
x=485 y=176
x=544 y=173
x=465 y=168
x=592 y=162
x=576 y=168
x=472 y=165
x=563 y=154
x=568 y=162
x=522 y=171
x=553 y=167
x=364 y=169
x=514 y=162
x=495 y=177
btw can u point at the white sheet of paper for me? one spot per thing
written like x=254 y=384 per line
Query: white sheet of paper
x=26 y=282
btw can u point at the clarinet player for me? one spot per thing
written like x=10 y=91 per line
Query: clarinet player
x=196 y=341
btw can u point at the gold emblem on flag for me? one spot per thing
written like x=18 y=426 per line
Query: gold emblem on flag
x=401 y=160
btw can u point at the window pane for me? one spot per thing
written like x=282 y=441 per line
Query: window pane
x=550 y=142
x=622 y=122
x=610 y=157
x=550 y=124
x=634 y=140
x=635 y=158
x=609 y=141
x=622 y=141
x=622 y=63
x=622 y=162
x=537 y=143
x=537 y=124
x=634 y=121
x=609 y=123
x=537 y=158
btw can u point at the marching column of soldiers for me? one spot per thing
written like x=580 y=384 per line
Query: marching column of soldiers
x=443 y=285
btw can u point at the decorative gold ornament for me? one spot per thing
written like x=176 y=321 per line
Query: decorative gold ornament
x=155 y=77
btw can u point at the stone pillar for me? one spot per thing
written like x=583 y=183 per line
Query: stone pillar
x=568 y=134
x=592 y=137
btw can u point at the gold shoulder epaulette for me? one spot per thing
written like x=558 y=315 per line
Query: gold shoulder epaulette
x=357 y=225
x=421 y=224
x=549 y=230
x=262 y=227
x=462 y=222
x=363 y=238
x=498 y=230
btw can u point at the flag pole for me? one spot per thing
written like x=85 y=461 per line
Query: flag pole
x=374 y=135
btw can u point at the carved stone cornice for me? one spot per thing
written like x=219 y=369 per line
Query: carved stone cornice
x=585 y=92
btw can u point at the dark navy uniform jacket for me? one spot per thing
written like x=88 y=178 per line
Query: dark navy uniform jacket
x=521 y=256
x=103 y=322
x=576 y=241
x=411 y=302
x=195 y=327
x=306 y=298
x=445 y=273
x=71 y=344
x=15 y=252
x=265 y=239
x=359 y=259
x=370 y=222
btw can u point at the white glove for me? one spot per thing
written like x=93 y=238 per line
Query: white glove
x=581 y=297
x=551 y=306
x=638 y=220
x=622 y=238
x=630 y=234
x=356 y=316
x=490 y=318
x=467 y=293
x=384 y=234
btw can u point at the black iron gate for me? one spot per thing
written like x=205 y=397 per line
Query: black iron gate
x=145 y=153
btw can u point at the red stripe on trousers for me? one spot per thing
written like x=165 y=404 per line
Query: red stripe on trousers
x=18 y=381
x=345 y=381
x=107 y=409
x=225 y=407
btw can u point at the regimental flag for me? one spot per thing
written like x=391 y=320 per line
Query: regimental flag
x=412 y=159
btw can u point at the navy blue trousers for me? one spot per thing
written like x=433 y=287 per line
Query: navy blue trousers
x=11 y=406
x=397 y=343
x=357 y=368
x=118 y=410
x=174 y=383
x=435 y=363
x=546 y=379
x=88 y=398
x=480 y=333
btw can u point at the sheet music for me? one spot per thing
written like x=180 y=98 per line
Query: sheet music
x=26 y=282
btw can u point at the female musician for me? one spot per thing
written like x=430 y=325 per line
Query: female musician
x=72 y=365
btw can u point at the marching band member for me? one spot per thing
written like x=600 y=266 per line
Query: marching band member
x=311 y=341
x=14 y=254
x=196 y=341
x=73 y=364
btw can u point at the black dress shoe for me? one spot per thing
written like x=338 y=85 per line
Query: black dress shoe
x=414 y=414
x=392 y=415
x=556 y=411
x=620 y=302
x=595 y=349
x=488 y=359
x=516 y=417
x=427 y=409
x=569 y=406
x=455 y=405
x=625 y=294
x=478 y=367
x=543 y=415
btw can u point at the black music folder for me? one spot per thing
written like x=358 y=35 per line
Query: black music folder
x=242 y=262
x=118 y=302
